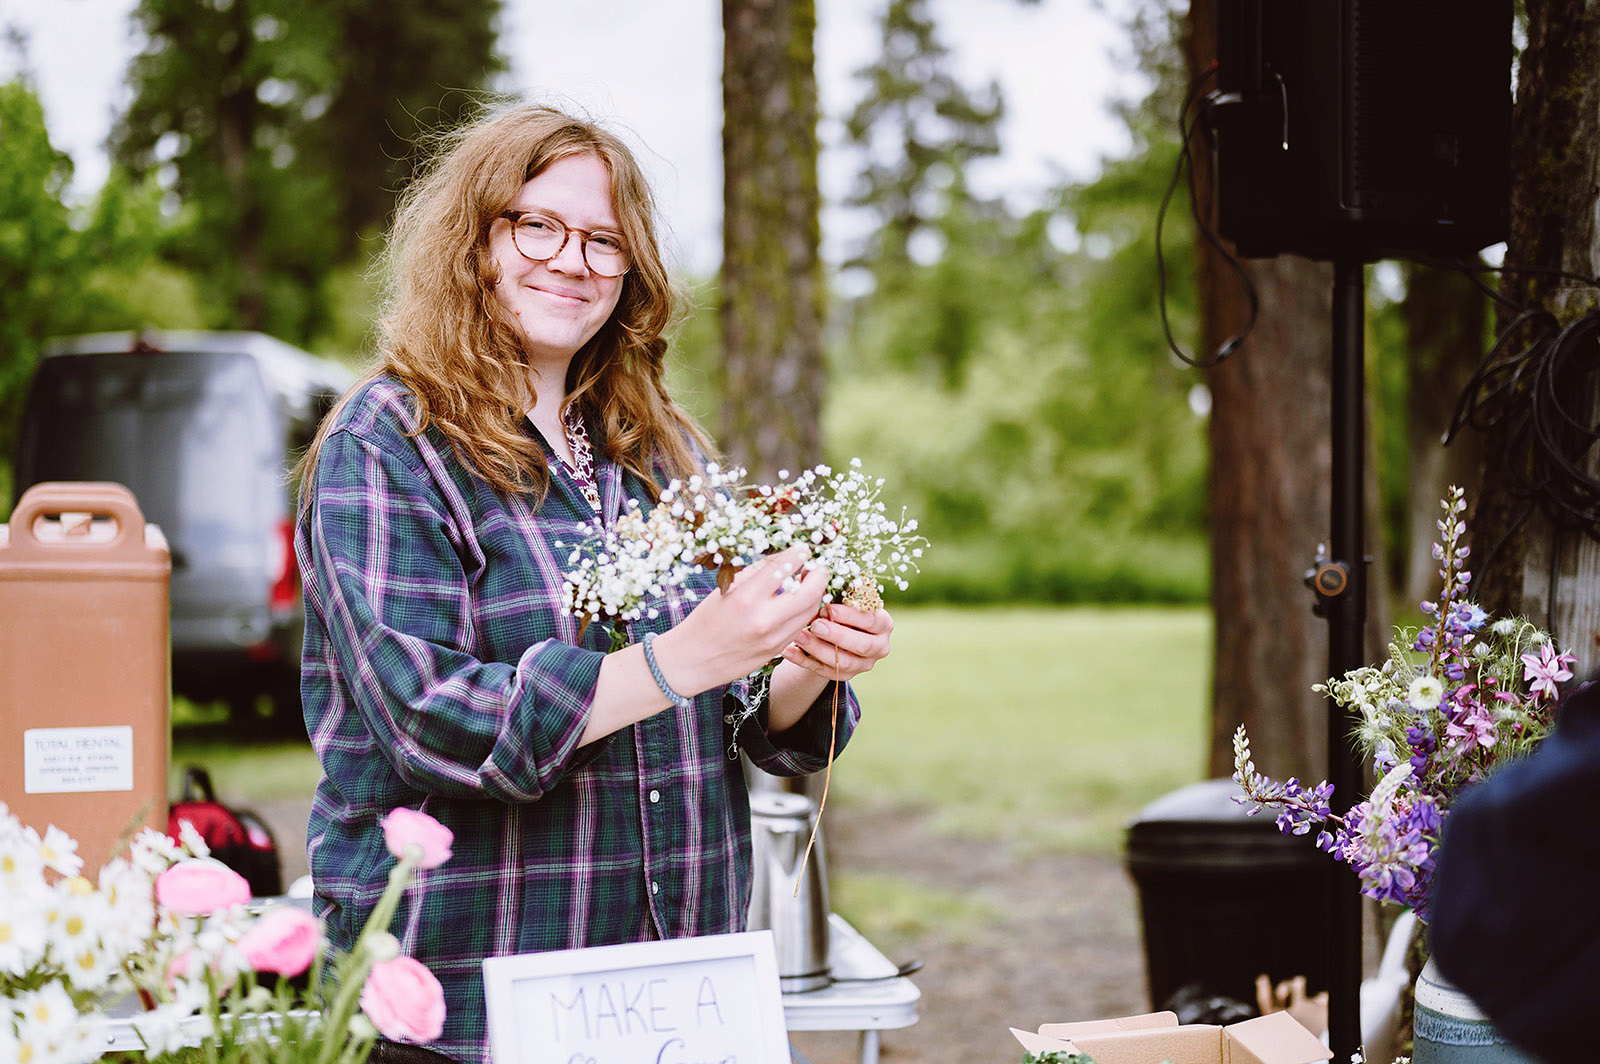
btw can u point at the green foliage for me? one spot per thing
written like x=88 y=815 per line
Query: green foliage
x=1017 y=398
x=1010 y=379
x=1389 y=371
x=918 y=128
x=218 y=115
x=350 y=291
x=401 y=70
x=38 y=244
x=65 y=268
x=694 y=357
x=279 y=131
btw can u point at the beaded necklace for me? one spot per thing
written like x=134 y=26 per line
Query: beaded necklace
x=582 y=465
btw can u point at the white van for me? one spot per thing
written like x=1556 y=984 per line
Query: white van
x=202 y=427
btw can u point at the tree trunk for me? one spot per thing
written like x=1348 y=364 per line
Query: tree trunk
x=1446 y=317
x=771 y=311
x=1527 y=564
x=236 y=141
x=1271 y=464
x=1271 y=460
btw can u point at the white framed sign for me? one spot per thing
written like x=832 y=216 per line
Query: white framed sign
x=708 y=1000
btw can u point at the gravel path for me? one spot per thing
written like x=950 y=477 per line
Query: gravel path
x=1060 y=942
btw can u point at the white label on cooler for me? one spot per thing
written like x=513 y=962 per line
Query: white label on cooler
x=70 y=760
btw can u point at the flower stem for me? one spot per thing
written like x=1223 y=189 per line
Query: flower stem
x=361 y=960
x=833 y=738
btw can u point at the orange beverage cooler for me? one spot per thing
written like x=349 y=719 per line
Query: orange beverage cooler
x=84 y=665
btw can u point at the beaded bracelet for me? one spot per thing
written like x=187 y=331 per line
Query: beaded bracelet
x=661 y=681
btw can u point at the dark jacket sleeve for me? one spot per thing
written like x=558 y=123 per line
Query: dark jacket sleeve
x=1516 y=911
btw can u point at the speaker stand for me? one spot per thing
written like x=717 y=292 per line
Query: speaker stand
x=1346 y=612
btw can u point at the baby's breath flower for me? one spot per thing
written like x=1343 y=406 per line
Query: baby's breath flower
x=717 y=522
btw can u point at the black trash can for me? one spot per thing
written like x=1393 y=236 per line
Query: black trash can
x=1225 y=897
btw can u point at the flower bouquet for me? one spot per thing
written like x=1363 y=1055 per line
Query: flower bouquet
x=168 y=926
x=717 y=522
x=1455 y=699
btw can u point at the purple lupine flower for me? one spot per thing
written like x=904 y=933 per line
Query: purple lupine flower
x=1299 y=808
x=1392 y=850
x=1423 y=743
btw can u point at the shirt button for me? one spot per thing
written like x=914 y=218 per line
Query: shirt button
x=655 y=888
x=655 y=796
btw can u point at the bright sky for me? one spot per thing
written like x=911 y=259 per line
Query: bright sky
x=1058 y=62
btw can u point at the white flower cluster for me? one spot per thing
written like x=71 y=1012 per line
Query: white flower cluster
x=65 y=941
x=716 y=522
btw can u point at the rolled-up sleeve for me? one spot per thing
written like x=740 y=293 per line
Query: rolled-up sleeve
x=385 y=573
x=804 y=747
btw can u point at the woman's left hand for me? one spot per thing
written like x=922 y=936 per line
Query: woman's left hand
x=843 y=642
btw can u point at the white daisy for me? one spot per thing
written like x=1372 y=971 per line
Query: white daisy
x=20 y=863
x=22 y=937
x=58 y=850
x=45 y=1013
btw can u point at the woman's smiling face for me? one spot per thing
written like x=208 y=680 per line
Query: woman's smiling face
x=560 y=303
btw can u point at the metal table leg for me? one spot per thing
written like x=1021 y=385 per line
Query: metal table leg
x=869 y=1047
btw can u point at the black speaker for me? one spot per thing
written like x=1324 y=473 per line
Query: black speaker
x=1362 y=129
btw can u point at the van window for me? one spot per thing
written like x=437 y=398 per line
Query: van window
x=191 y=434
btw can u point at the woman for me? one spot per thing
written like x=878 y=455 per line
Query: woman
x=519 y=399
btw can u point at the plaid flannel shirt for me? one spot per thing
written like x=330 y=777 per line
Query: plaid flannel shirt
x=441 y=673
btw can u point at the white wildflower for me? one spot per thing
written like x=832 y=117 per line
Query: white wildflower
x=1425 y=692
x=192 y=840
x=382 y=946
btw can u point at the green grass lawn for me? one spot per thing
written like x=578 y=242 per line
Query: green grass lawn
x=1048 y=727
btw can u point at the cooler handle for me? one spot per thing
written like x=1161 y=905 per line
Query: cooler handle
x=98 y=498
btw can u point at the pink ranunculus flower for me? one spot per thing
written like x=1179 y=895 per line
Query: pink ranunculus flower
x=178 y=968
x=283 y=941
x=405 y=827
x=200 y=887
x=184 y=966
x=404 y=1001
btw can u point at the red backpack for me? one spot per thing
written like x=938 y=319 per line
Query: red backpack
x=237 y=837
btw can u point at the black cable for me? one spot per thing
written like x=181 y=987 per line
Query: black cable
x=1472 y=266
x=1535 y=392
x=1187 y=128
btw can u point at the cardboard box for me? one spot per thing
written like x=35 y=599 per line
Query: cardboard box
x=1157 y=1036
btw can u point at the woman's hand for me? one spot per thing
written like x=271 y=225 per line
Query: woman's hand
x=733 y=633
x=842 y=643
